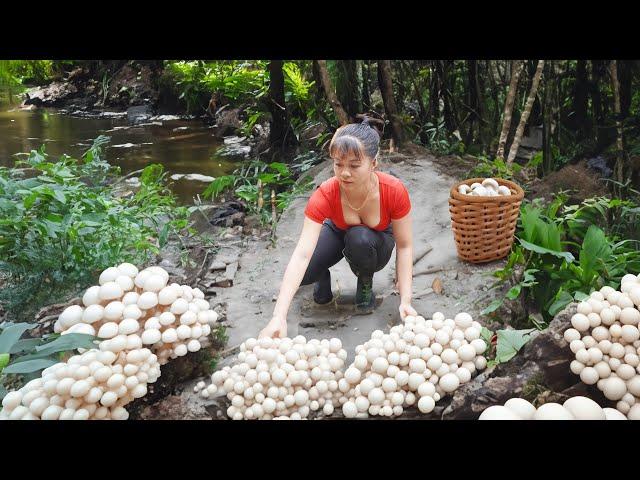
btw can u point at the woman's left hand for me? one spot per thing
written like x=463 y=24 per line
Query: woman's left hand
x=406 y=309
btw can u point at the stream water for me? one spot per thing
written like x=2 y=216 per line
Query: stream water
x=181 y=146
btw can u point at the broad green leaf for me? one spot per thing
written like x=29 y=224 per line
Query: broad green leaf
x=60 y=196
x=493 y=306
x=514 y=292
x=70 y=341
x=4 y=360
x=486 y=335
x=510 y=342
x=528 y=217
x=267 y=178
x=580 y=296
x=538 y=249
x=23 y=345
x=595 y=249
x=30 y=366
x=11 y=334
x=562 y=300
x=281 y=168
x=164 y=234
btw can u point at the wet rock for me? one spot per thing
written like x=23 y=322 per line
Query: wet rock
x=310 y=135
x=53 y=95
x=217 y=265
x=165 y=118
x=231 y=270
x=138 y=114
x=225 y=280
x=228 y=214
x=125 y=145
x=228 y=121
x=133 y=181
x=192 y=176
x=235 y=147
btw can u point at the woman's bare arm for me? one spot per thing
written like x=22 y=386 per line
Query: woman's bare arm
x=403 y=234
x=293 y=276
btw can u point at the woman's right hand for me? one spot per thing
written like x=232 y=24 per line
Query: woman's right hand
x=276 y=328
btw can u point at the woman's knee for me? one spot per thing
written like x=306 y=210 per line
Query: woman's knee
x=360 y=239
x=360 y=249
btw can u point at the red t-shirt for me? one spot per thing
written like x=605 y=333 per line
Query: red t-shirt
x=325 y=202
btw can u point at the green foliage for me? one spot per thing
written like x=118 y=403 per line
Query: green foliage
x=64 y=223
x=242 y=83
x=256 y=179
x=17 y=72
x=496 y=168
x=562 y=256
x=438 y=139
x=25 y=359
x=509 y=343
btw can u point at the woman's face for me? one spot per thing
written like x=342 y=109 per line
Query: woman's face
x=351 y=171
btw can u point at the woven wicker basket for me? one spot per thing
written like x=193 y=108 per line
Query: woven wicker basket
x=484 y=227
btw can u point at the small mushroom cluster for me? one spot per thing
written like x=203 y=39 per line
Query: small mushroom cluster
x=130 y=309
x=574 y=408
x=419 y=361
x=95 y=385
x=488 y=188
x=606 y=342
x=281 y=379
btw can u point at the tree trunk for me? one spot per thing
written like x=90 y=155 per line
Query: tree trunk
x=347 y=87
x=495 y=96
x=449 y=119
x=386 y=89
x=525 y=114
x=474 y=101
x=327 y=86
x=434 y=94
x=547 y=159
x=596 y=97
x=580 y=100
x=408 y=71
x=624 y=74
x=366 y=89
x=619 y=170
x=508 y=108
x=281 y=134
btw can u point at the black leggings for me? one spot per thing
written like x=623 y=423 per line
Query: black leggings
x=366 y=250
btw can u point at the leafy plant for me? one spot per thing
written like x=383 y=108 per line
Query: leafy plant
x=562 y=257
x=497 y=168
x=253 y=183
x=509 y=344
x=438 y=139
x=65 y=223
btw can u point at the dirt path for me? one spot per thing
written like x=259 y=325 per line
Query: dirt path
x=251 y=300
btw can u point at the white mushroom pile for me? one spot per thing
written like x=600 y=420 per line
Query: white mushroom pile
x=419 y=361
x=606 y=342
x=574 y=408
x=488 y=188
x=130 y=309
x=281 y=379
x=95 y=385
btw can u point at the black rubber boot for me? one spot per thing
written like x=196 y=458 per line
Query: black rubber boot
x=322 y=289
x=365 y=298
